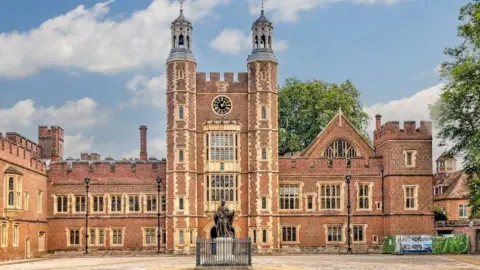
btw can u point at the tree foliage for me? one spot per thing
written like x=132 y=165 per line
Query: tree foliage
x=305 y=108
x=457 y=112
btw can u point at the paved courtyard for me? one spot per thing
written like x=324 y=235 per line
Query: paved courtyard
x=334 y=262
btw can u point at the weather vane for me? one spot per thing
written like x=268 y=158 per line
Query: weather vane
x=262 y=4
x=181 y=4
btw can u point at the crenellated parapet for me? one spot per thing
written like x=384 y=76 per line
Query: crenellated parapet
x=106 y=169
x=214 y=84
x=51 y=140
x=22 y=152
x=302 y=166
x=391 y=131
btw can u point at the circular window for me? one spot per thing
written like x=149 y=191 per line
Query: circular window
x=222 y=105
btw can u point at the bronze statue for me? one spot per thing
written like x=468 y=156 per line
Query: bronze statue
x=223 y=221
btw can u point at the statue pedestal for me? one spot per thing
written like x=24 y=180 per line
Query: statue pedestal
x=224 y=246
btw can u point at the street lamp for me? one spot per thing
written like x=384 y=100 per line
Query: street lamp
x=159 y=182
x=347 y=178
x=87 y=181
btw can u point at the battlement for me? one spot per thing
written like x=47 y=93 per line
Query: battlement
x=391 y=131
x=52 y=132
x=106 y=168
x=20 y=151
x=214 y=84
x=92 y=156
x=305 y=166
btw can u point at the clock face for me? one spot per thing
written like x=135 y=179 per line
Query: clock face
x=222 y=105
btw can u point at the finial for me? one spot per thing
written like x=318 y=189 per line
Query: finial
x=181 y=5
x=262 y=8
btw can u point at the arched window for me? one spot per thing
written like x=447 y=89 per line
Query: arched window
x=256 y=42
x=270 y=42
x=181 y=41
x=11 y=192
x=340 y=149
x=188 y=42
x=174 y=41
x=263 y=42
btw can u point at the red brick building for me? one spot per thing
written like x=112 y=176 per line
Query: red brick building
x=222 y=144
x=450 y=196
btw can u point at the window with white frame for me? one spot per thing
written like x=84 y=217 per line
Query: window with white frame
x=151 y=201
x=463 y=210
x=98 y=204
x=180 y=204
x=340 y=149
x=334 y=233
x=289 y=234
x=39 y=201
x=164 y=203
x=358 y=232
x=410 y=193
x=264 y=153
x=116 y=203
x=4 y=234
x=134 y=203
x=16 y=235
x=62 y=204
x=264 y=236
x=222 y=146
x=80 y=204
x=181 y=238
x=331 y=197
x=264 y=203
x=364 y=196
x=310 y=202
x=92 y=237
x=222 y=187
x=264 y=113
x=289 y=197
x=164 y=238
x=410 y=156
x=375 y=239
x=180 y=113
x=180 y=156
x=41 y=241
x=26 y=202
x=13 y=191
x=101 y=237
x=150 y=235
x=117 y=237
x=74 y=237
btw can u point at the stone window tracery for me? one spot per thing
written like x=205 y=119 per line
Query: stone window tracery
x=331 y=197
x=289 y=197
x=340 y=149
x=222 y=187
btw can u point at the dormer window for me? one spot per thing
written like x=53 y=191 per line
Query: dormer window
x=340 y=149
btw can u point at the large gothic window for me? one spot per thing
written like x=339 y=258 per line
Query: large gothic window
x=340 y=149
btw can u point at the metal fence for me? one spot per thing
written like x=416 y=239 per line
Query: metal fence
x=224 y=252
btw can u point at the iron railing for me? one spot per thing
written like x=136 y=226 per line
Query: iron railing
x=218 y=252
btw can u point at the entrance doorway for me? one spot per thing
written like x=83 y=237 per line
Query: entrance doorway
x=478 y=241
x=27 y=248
x=213 y=232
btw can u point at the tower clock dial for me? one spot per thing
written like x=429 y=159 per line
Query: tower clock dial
x=222 y=105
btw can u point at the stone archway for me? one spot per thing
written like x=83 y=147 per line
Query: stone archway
x=213 y=232
x=210 y=229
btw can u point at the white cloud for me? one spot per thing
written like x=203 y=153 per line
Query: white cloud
x=83 y=113
x=76 y=144
x=234 y=41
x=288 y=10
x=24 y=117
x=413 y=108
x=149 y=91
x=85 y=38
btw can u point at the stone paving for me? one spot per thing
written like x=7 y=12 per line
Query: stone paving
x=333 y=262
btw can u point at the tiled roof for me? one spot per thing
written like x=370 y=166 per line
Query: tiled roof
x=456 y=183
x=13 y=170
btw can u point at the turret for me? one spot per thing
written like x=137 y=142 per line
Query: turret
x=181 y=29
x=262 y=39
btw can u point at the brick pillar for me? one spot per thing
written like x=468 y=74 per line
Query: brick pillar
x=55 y=150
x=143 y=142
x=378 y=121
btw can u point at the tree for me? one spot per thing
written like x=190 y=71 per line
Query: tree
x=457 y=112
x=305 y=108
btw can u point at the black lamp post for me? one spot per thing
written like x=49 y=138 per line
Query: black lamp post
x=159 y=182
x=349 y=206
x=87 y=181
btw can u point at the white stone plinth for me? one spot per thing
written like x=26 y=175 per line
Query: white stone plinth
x=224 y=249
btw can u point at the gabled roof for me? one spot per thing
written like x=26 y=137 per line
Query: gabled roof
x=333 y=130
x=13 y=170
x=456 y=183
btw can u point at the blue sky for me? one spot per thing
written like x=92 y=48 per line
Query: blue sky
x=95 y=67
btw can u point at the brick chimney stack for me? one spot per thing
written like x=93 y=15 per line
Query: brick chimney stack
x=378 y=121
x=143 y=142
